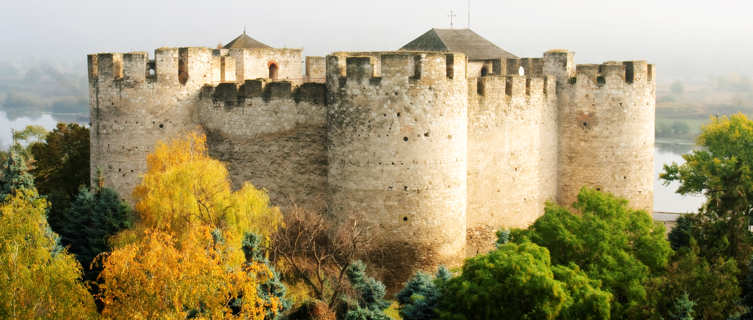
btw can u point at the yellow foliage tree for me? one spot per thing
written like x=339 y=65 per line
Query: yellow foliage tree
x=183 y=186
x=202 y=277
x=38 y=279
x=183 y=257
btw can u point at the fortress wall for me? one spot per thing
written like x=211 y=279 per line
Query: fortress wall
x=272 y=135
x=254 y=63
x=607 y=131
x=316 y=69
x=397 y=152
x=512 y=154
x=134 y=102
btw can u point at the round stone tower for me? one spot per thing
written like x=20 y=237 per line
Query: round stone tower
x=397 y=149
x=606 y=128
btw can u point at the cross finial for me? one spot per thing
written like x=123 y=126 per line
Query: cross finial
x=452 y=19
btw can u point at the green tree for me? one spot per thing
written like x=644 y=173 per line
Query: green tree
x=15 y=175
x=612 y=243
x=518 y=281
x=38 y=279
x=722 y=170
x=93 y=217
x=369 y=302
x=61 y=167
x=420 y=297
x=683 y=308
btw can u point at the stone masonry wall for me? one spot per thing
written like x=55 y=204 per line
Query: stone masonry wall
x=271 y=136
x=606 y=132
x=512 y=154
x=397 y=151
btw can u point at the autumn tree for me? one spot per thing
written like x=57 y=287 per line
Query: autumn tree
x=621 y=247
x=318 y=253
x=183 y=186
x=38 y=278
x=202 y=276
x=185 y=255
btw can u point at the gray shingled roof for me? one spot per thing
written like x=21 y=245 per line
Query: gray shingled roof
x=458 y=40
x=244 y=41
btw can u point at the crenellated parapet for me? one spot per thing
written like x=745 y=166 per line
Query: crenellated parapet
x=606 y=131
x=397 y=148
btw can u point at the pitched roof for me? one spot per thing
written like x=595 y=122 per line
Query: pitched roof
x=244 y=41
x=460 y=40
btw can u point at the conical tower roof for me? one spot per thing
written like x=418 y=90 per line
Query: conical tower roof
x=474 y=46
x=245 y=42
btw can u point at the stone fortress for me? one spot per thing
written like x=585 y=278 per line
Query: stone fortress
x=436 y=145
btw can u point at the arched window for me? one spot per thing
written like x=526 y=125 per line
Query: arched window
x=484 y=71
x=273 y=71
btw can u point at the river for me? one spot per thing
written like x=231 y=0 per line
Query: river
x=665 y=197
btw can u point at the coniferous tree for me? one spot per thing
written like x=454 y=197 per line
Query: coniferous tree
x=420 y=296
x=683 y=308
x=273 y=287
x=369 y=303
x=15 y=175
x=93 y=217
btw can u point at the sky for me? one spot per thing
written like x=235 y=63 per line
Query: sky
x=685 y=39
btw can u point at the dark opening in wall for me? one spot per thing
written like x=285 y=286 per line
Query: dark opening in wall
x=426 y=134
x=405 y=218
x=183 y=65
x=161 y=126
x=416 y=67
x=479 y=87
x=484 y=71
x=405 y=139
x=598 y=188
x=601 y=81
x=405 y=188
x=450 y=65
x=585 y=124
x=273 y=71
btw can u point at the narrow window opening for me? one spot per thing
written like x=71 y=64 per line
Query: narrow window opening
x=484 y=71
x=273 y=71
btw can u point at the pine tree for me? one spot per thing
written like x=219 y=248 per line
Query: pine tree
x=683 y=308
x=273 y=287
x=92 y=218
x=369 y=304
x=420 y=296
x=15 y=175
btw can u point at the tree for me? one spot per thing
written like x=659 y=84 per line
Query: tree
x=612 y=243
x=15 y=176
x=419 y=298
x=273 y=289
x=61 y=168
x=683 y=308
x=184 y=256
x=369 y=302
x=183 y=186
x=93 y=217
x=318 y=253
x=518 y=281
x=198 y=276
x=38 y=279
x=677 y=88
x=722 y=170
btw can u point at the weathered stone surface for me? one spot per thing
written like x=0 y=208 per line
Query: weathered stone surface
x=435 y=152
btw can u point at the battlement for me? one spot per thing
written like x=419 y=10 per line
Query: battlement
x=376 y=67
x=231 y=94
x=170 y=66
x=630 y=72
x=514 y=86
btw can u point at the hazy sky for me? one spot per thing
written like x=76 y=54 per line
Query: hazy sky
x=684 y=38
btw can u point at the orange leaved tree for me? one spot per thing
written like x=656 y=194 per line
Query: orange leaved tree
x=184 y=257
x=202 y=277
